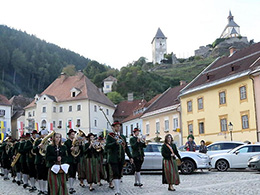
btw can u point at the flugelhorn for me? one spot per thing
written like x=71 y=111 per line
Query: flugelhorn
x=76 y=143
x=45 y=142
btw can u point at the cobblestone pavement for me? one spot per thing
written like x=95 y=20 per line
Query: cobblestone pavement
x=235 y=182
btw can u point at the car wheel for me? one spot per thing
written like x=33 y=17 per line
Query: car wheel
x=222 y=165
x=187 y=167
x=128 y=169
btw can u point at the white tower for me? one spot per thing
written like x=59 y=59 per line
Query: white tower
x=159 y=47
x=232 y=29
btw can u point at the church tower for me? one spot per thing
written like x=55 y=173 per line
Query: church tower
x=232 y=29
x=159 y=47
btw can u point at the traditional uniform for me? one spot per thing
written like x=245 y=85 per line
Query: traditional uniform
x=170 y=168
x=57 y=182
x=6 y=158
x=138 y=156
x=17 y=167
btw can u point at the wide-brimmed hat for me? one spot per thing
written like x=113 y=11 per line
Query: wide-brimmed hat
x=34 y=132
x=136 y=129
x=90 y=134
x=116 y=123
x=71 y=131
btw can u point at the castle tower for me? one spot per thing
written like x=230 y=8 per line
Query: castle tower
x=159 y=46
x=232 y=29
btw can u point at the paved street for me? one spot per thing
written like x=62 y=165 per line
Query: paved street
x=232 y=182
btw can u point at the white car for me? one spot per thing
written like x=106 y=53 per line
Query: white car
x=222 y=147
x=153 y=160
x=236 y=158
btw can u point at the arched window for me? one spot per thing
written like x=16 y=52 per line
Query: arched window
x=43 y=126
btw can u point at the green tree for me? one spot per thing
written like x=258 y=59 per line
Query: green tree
x=69 y=70
x=115 y=97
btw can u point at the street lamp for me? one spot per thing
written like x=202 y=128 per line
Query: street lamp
x=230 y=126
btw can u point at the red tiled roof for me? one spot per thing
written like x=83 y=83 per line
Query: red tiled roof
x=242 y=60
x=4 y=101
x=126 y=108
x=61 y=90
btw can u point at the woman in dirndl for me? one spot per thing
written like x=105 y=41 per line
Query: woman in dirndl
x=170 y=169
x=56 y=154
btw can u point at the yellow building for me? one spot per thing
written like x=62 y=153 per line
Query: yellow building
x=219 y=104
x=162 y=117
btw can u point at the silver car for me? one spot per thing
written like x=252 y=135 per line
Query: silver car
x=153 y=160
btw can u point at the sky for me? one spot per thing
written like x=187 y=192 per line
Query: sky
x=118 y=32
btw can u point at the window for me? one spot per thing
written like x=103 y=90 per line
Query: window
x=74 y=94
x=95 y=123
x=70 y=108
x=54 y=109
x=95 y=108
x=33 y=113
x=222 y=98
x=60 y=124
x=256 y=148
x=201 y=127
x=61 y=109
x=214 y=147
x=175 y=123
x=158 y=127
x=53 y=124
x=166 y=125
x=108 y=125
x=44 y=109
x=200 y=103
x=29 y=114
x=107 y=86
x=243 y=149
x=132 y=128
x=242 y=92
x=245 y=124
x=78 y=122
x=78 y=107
x=189 y=106
x=126 y=131
x=223 y=124
x=147 y=129
x=107 y=112
x=190 y=128
x=44 y=124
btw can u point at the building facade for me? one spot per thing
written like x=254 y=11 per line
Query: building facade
x=108 y=84
x=159 y=47
x=5 y=116
x=219 y=104
x=70 y=102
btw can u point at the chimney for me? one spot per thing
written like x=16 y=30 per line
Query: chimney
x=80 y=75
x=130 y=97
x=183 y=83
x=63 y=77
x=232 y=50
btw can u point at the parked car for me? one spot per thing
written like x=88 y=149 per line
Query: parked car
x=153 y=160
x=236 y=158
x=222 y=147
x=183 y=149
x=254 y=162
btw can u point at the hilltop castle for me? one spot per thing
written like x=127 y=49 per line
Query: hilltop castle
x=159 y=47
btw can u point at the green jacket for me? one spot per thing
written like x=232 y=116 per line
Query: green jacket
x=52 y=154
x=137 y=147
x=22 y=158
x=89 y=152
x=115 y=151
x=166 y=152
x=71 y=159
x=5 y=156
x=39 y=159
x=28 y=149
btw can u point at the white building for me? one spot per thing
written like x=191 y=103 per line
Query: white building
x=108 y=84
x=70 y=102
x=5 y=115
x=232 y=29
x=159 y=47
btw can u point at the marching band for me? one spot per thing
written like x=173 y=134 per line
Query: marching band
x=43 y=158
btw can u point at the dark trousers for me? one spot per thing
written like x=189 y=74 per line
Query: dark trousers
x=42 y=172
x=138 y=164
x=72 y=170
x=117 y=169
x=32 y=170
x=25 y=169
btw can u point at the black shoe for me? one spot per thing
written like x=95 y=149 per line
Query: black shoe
x=6 y=178
x=45 y=193
x=91 y=189
x=117 y=193
x=32 y=189
x=111 y=187
x=100 y=184
x=25 y=186
x=140 y=184
x=18 y=183
x=171 y=189
x=40 y=192
x=14 y=181
x=71 y=190
x=136 y=184
x=82 y=185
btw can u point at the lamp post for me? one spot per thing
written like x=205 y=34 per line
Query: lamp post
x=230 y=126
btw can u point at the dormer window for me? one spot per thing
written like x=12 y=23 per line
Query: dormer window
x=75 y=92
x=232 y=68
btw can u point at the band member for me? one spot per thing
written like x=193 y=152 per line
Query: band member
x=82 y=162
x=56 y=154
x=170 y=169
x=72 y=161
x=22 y=159
x=100 y=152
x=6 y=158
x=13 y=170
x=109 y=171
x=117 y=147
x=40 y=163
x=92 y=167
x=137 y=146
x=18 y=167
x=1 y=164
x=30 y=157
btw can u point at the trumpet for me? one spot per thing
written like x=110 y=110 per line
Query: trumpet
x=76 y=143
x=45 y=142
x=98 y=146
x=142 y=138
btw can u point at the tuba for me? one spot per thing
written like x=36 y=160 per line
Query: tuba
x=34 y=145
x=45 y=141
x=76 y=143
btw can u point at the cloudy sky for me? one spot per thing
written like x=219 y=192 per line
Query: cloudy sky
x=116 y=32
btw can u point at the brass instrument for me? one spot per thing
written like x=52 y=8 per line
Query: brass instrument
x=33 y=146
x=142 y=138
x=98 y=146
x=76 y=143
x=45 y=141
x=16 y=158
x=8 y=146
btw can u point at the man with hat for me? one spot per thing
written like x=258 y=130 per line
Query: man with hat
x=116 y=148
x=137 y=146
x=6 y=158
x=72 y=161
x=40 y=163
x=22 y=160
x=30 y=157
x=17 y=167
